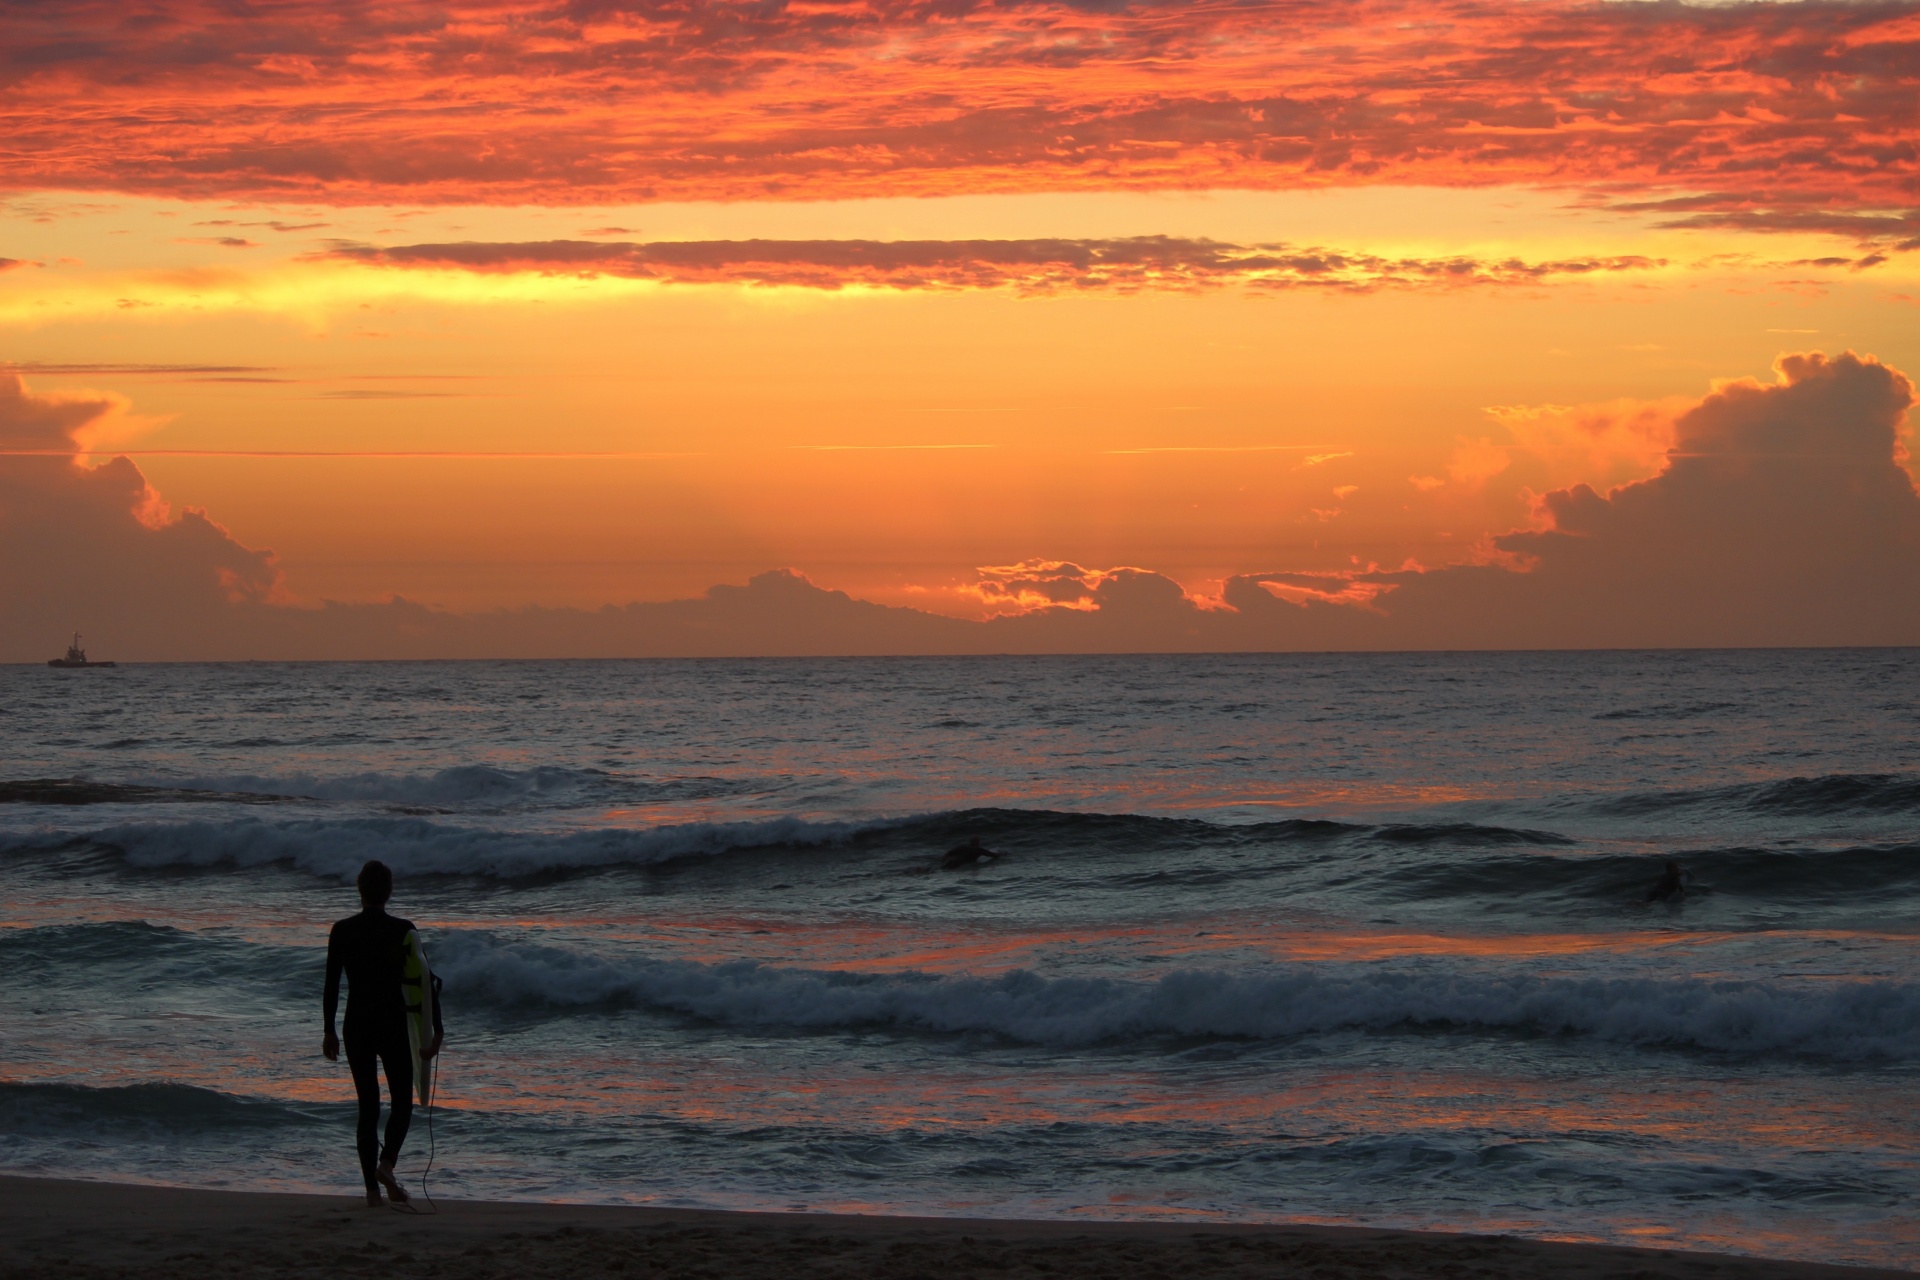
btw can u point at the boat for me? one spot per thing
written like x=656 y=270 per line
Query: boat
x=77 y=657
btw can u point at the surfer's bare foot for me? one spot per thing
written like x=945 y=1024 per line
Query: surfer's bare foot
x=374 y=1201
x=395 y=1192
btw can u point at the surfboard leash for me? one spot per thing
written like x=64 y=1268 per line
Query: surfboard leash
x=433 y=1096
x=433 y=1092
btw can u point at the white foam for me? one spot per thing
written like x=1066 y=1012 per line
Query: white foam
x=1853 y=1021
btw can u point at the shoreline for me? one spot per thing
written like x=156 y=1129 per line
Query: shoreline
x=60 y=1227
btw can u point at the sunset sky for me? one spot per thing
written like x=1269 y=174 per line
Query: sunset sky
x=959 y=307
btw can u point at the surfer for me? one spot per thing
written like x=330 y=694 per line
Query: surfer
x=380 y=955
x=1671 y=886
x=970 y=854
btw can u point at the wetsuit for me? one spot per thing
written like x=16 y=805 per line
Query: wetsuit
x=1673 y=884
x=966 y=855
x=371 y=949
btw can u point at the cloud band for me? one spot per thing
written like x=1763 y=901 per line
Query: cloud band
x=1129 y=264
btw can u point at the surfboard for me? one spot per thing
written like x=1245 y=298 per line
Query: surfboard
x=416 y=991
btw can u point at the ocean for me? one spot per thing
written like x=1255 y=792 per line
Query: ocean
x=1329 y=938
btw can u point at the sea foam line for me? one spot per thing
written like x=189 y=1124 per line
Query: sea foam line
x=1847 y=1020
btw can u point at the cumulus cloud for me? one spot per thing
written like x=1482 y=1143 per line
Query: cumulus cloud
x=1782 y=514
x=1602 y=445
x=1128 y=264
x=348 y=101
x=95 y=548
x=1042 y=586
x=1476 y=461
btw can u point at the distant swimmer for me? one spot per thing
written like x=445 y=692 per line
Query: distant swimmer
x=970 y=854
x=1672 y=885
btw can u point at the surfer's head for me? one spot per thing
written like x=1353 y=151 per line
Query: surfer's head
x=376 y=884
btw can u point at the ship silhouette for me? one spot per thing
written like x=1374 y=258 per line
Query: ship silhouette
x=76 y=657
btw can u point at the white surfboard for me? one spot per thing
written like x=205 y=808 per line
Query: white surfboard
x=416 y=992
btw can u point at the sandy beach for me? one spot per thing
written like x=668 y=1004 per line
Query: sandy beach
x=51 y=1227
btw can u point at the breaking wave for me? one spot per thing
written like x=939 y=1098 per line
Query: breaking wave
x=1846 y=1021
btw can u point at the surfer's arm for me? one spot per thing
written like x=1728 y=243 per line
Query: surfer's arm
x=331 y=996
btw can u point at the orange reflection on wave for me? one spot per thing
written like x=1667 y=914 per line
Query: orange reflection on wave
x=1172 y=793
x=1300 y=1099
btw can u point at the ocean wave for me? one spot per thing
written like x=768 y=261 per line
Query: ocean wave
x=1668 y=711
x=106 y=941
x=1824 y=795
x=429 y=845
x=1837 y=793
x=462 y=786
x=1398 y=862
x=336 y=848
x=118 y=959
x=1847 y=1021
x=68 y=792
x=151 y=1108
x=1798 y=876
x=1462 y=833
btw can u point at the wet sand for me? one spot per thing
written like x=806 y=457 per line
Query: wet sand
x=54 y=1228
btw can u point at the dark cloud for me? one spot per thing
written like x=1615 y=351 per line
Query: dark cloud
x=94 y=548
x=1034 y=266
x=1784 y=516
x=1895 y=229
x=33 y=422
x=557 y=101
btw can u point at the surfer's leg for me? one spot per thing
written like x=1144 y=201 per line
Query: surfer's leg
x=364 y=1062
x=397 y=1056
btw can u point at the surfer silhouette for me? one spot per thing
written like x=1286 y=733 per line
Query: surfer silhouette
x=1671 y=886
x=387 y=985
x=970 y=854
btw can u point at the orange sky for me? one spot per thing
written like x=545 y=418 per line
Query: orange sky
x=496 y=305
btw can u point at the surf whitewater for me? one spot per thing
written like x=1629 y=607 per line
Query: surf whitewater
x=1863 y=1021
x=502 y=976
x=1367 y=938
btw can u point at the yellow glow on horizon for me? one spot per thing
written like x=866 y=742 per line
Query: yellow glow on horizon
x=353 y=417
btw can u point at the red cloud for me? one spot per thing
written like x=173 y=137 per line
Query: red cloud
x=1891 y=230
x=1030 y=266
x=521 y=101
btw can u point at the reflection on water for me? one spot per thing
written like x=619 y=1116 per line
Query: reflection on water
x=1306 y=938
